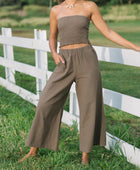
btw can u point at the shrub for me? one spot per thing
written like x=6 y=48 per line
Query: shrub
x=34 y=21
x=8 y=22
x=36 y=10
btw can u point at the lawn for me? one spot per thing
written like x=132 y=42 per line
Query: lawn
x=16 y=114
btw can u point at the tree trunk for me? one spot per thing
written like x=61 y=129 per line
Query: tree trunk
x=121 y=2
x=130 y=2
x=50 y=4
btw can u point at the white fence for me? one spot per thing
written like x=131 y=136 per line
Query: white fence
x=40 y=72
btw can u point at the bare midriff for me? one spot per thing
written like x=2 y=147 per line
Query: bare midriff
x=73 y=46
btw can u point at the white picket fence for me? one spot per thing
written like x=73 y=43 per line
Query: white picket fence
x=41 y=73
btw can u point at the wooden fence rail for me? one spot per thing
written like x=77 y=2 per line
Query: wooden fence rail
x=40 y=71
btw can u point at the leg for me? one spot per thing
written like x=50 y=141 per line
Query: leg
x=33 y=152
x=85 y=158
x=45 y=128
x=89 y=94
x=46 y=125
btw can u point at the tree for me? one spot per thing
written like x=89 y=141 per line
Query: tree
x=50 y=4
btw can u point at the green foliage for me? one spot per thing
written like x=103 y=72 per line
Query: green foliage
x=114 y=2
x=40 y=2
x=105 y=10
x=36 y=10
x=38 y=16
x=7 y=2
x=112 y=13
x=47 y=2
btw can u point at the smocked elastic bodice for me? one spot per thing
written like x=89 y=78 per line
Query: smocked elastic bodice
x=73 y=29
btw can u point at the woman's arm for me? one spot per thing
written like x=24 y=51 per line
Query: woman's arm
x=100 y=24
x=53 y=36
x=53 y=31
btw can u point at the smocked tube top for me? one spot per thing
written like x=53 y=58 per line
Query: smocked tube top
x=73 y=29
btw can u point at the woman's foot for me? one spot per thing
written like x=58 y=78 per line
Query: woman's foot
x=85 y=158
x=32 y=152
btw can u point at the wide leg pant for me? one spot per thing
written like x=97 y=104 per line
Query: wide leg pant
x=81 y=66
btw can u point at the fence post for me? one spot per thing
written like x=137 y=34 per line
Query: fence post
x=8 y=54
x=41 y=61
x=74 y=106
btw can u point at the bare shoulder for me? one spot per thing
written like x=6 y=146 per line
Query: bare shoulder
x=56 y=8
x=91 y=5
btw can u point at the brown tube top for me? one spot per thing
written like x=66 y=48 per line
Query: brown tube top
x=73 y=29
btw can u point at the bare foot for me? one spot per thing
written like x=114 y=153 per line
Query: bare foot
x=85 y=158
x=32 y=152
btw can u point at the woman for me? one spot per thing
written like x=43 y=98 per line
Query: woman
x=76 y=62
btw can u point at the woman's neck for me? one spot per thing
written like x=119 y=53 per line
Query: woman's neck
x=71 y=1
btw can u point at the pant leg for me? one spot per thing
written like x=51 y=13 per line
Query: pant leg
x=89 y=94
x=45 y=129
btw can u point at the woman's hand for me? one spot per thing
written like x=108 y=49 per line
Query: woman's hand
x=57 y=58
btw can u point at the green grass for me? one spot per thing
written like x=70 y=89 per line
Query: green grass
x=16 y=117
x=128 y=29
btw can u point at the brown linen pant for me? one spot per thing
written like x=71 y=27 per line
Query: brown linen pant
x=81 y=66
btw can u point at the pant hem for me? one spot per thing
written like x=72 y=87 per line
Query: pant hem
x=87 y=150
x=43 y=146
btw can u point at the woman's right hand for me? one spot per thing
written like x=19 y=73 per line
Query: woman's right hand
x=57 y=58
